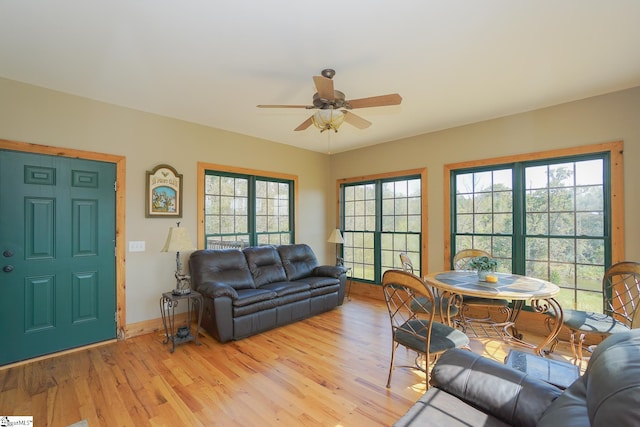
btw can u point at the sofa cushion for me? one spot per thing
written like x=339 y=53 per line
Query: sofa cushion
x=298 y=260
x=439 y=408
x=609 y=391
x=286 y=288
x=315 y=282
x=252 y=296
x=265 y=265
x=227 y=266
x=254 y=300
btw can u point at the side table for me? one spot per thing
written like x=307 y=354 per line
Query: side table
x=349 y=282
x=168 y=304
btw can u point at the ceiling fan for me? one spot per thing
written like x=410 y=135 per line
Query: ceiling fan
x=333 y=108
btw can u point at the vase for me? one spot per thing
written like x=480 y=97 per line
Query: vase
x=482 y=274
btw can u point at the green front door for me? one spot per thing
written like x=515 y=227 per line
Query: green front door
x=57 y=253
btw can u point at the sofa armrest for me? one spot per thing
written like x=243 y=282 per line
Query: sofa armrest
x=506 y=393
x=217 y=289
x=329 y=271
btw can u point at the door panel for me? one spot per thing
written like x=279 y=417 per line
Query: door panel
x=57 y=235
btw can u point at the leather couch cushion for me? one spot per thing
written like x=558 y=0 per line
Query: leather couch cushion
x=265 y=265
x=227 y=266
x=315 y=282
x=298 y=260
x=439 y=408
x=286 y=288
x=252 y=296
x=608 y=394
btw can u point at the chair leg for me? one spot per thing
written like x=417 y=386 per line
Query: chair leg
x=580 y=346
x=394 y=346
x=572 y=341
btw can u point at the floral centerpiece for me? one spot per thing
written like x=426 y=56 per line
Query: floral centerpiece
x=483 y=265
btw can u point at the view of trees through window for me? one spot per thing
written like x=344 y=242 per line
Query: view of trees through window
x=542 y=219
x=381 y=218
x=247 y=210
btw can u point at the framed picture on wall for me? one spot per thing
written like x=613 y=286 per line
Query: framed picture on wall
x=163 y=193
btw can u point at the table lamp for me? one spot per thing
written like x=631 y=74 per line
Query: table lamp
x=336 y=237
x=178 y=240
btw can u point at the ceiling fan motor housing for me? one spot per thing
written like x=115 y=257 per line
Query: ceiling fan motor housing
x=338 y=101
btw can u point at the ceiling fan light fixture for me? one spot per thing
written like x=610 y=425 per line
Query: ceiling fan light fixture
x=328 y=119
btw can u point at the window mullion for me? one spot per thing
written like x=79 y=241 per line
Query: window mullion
x=518 y=263
x=377 y=235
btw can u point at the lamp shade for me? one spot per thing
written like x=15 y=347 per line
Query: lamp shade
x=328 y=119
x=178 y=240
x=336 y=237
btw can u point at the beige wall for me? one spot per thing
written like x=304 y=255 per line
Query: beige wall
x=606 y=118
x=40 y=116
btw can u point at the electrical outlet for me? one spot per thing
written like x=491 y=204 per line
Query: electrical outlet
x=136 y=246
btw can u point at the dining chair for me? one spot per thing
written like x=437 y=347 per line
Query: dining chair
x=446 y=308
x=409 y=303
x=461 y=261
x=621 y=297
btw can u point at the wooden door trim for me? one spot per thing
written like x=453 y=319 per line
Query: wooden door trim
x=120 y=162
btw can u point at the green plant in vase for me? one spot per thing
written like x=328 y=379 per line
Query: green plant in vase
x=483 y=265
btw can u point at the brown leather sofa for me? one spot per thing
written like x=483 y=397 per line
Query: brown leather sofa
x=255 y=289
x=470 y=390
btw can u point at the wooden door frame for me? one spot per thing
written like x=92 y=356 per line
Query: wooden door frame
x=120 y=162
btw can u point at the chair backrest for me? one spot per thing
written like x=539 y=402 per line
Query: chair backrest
x=410 y=303
x=407 y=265
x=621 y=288
x=462 y=258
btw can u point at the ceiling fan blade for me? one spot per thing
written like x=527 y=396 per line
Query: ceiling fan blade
x=356 y=120
x=305 y=124
x=324 y=87
x=376 y=101
x=285 y=106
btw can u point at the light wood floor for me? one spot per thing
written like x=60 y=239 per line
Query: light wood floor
x=329 y=370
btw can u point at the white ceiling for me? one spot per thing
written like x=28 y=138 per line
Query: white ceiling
x=211 y=62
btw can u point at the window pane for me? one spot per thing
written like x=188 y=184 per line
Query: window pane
x=589 y=277
x=590 y=224
x=561 y=200
x=561 y=175
x=589 y=198
x=537 y=249
x=562 y=250
x=589 y=172
x=503 y=223
x=536 y=177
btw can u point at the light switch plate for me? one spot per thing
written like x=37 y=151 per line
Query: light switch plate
x=137 y=246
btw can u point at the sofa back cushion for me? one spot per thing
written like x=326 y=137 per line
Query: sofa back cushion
x=228 y=266
x=298 y=260
x=265 y=265
x=609 y=391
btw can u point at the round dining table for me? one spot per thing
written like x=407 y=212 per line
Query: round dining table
x=455 y=284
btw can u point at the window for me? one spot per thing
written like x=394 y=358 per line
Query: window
x=382 y=217
x=546 y=217
x=241 y=208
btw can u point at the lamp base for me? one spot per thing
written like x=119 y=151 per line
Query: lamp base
x=181 y=291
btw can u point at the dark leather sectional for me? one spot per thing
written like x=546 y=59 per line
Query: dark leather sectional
x=255 y=289
x=471 y=390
